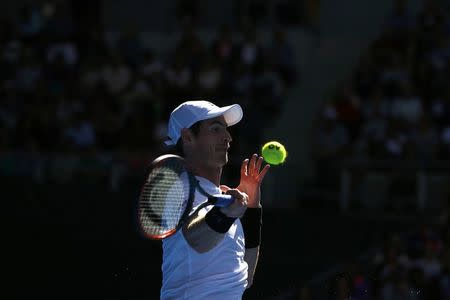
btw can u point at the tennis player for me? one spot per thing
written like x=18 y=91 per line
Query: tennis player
x=215 y=254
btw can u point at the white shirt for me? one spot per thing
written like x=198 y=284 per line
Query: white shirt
x=220 y=273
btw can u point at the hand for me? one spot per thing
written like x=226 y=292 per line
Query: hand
x=239 y=206
x=251 y=179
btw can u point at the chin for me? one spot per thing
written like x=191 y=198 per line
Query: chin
x=223 y=160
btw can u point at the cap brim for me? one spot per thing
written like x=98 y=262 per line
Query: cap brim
x=232 y=114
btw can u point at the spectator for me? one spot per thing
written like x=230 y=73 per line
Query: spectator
x=58 y=24
x=223 y=46
x=330 y=146
x=445 y=142
x=28 y=72
x=150 y=66
x=426 y=140
x=340 y=287
x=31 y=23
x=80 y=134
x=289 y=12
x=116 y=75
x=242 y=82
x=91 y=73
x=190 y=47
x=430 y=264
x=64 y=48
x=394 y=76
x=439 y=108
x=397 y=286
x=304 y=293
x=249 y=50
x=406 y=110
x=444 y=279
x=360 y=285
x=186 y=12
x=130 y=48
x=209 y=78
x=178 y=78
x=348 y=109
x=401 y=20
x=268 y=92
x=281 y=56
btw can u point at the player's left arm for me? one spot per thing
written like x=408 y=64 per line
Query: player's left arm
x=251 y=257
x=250 y=183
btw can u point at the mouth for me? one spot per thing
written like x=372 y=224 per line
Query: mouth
x=222 y=149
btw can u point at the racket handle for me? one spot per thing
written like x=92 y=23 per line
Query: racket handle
x=222 y=200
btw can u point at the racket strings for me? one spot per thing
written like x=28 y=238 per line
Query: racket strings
x=163 y=202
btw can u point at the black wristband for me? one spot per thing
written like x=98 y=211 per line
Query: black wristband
x=218 y=221
x=252 y=223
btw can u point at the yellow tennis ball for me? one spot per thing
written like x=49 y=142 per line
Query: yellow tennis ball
x=274 y=153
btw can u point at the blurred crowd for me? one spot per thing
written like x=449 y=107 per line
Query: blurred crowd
x=391 y=116
x=396 y=106
x=404 y=264
x=410 y=265
x=65 y=88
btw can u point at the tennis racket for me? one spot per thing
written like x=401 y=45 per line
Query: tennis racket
x=167 y=197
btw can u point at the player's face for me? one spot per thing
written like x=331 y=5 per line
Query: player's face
x=212 y=142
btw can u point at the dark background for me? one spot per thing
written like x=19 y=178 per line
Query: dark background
x=358 y=92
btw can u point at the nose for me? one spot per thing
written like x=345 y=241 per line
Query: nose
x=227 y=137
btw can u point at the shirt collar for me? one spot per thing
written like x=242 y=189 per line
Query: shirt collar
x=208 y=186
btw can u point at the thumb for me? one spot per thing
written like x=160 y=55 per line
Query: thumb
x=224 y=188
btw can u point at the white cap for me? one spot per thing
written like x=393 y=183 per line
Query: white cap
x=190 y=112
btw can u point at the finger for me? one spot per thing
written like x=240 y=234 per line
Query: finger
x=224 y=188
x=243 y=199
x=263 y=172
x=252 y=164
x=244 y=168
x=259 y=163
x=237 y=195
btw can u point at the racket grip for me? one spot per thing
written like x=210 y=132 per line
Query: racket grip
x=223 y=200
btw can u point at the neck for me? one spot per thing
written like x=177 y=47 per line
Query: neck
x=213 y=174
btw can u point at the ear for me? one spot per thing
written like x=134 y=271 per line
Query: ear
x=186 y=135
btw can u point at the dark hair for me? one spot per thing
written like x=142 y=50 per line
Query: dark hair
x=178 y=148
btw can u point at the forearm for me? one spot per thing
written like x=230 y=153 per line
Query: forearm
x=203 y=233
x=251 y=258
x=252 y=223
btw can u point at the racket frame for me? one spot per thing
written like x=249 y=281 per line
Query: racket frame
x=221 y=201
x=159 y=161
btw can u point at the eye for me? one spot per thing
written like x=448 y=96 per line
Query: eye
x=216 y=129
x=271 y=146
